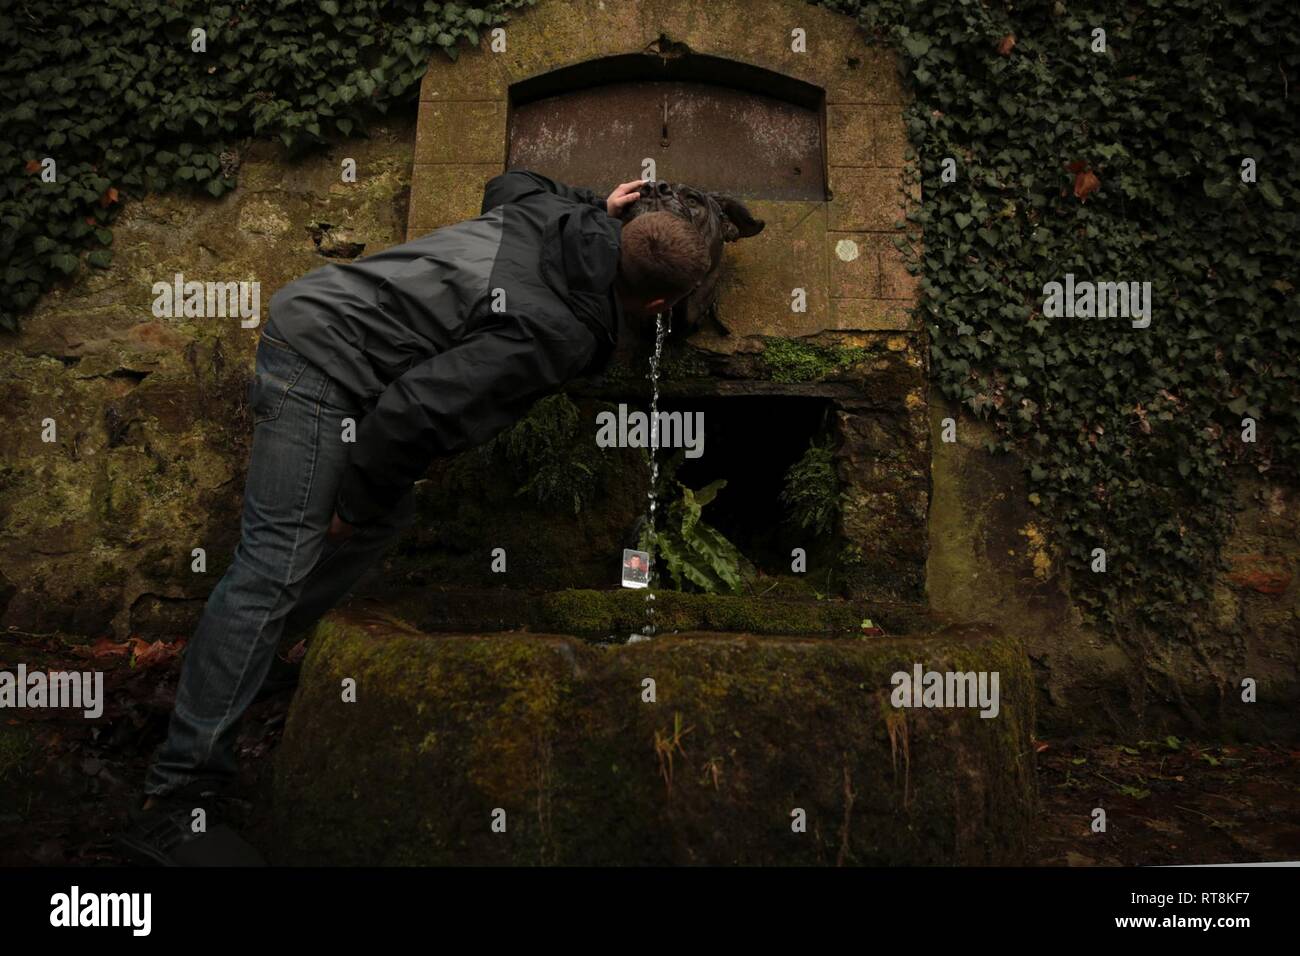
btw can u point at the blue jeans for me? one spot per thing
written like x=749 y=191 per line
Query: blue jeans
x=285 y=573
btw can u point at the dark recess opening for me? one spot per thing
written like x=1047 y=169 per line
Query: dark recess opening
x=752 y=441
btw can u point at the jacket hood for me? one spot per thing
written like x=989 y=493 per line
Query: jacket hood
x=579 y=262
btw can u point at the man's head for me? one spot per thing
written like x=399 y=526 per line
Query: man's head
x=663 y=257
x=717 y=217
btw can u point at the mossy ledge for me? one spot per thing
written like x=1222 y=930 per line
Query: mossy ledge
x=588 y=611
x=445 y=729
x=591 y=612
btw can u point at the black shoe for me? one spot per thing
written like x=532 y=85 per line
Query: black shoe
x=164 y=834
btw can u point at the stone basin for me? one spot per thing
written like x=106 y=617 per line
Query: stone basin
x=539 y=748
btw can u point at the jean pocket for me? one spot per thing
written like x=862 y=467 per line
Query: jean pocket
x=275 y=340
x=278 y=370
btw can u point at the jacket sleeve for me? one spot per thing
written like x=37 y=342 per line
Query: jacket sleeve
x=519 y=184
x=455 y=400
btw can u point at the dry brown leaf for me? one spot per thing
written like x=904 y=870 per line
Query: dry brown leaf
x=145 y=654
x=1085 y=184
x=104 y=647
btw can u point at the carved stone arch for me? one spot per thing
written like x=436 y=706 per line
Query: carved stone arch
x=839 y=248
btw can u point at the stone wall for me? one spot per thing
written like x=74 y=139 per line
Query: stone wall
x=992 y=557
x=98 y=527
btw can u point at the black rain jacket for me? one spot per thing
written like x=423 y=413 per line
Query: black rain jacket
x=448 y=339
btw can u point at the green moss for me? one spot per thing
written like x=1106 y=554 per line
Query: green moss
x=683 y=364
x=479 y=712
x=624 y=611
x=792 y=361
x=851 y=556
x=158 y=562
x=109 y=574
x=621 y=374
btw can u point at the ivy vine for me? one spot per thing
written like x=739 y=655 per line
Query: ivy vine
x=1122 y=164
x=117 y=95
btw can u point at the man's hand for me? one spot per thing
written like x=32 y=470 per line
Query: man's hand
x=339 y=529
x=623 y=196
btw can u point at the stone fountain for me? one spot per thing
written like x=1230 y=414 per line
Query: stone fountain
x=477 y=712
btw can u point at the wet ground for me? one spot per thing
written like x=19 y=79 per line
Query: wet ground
x=1166 y=801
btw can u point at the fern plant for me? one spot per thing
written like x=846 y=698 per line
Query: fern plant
x=553 y=459
x=695 y=554
x=812 y=490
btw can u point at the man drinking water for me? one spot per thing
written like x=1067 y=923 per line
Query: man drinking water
x=423 y=350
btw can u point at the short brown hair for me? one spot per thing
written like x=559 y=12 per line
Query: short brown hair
x=662 y=256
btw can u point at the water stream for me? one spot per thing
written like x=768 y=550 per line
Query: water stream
x=662 y=327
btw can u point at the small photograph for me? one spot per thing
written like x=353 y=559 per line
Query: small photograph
x=636 y=568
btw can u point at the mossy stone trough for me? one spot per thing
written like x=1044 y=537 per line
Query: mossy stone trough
x=527 y=748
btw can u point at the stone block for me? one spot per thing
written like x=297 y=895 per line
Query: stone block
x=888 y=137
x=761 y=272
x=461 y=132
x=868 y=200
x=475 y=74
x=849 y=131
x=444 y=194
x=869 y=315
x=547 y=36
x=854 y=259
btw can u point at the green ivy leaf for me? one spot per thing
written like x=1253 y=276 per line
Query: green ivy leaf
x=917 y=46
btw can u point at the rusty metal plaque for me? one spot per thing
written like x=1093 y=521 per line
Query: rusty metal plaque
x=713 y=137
